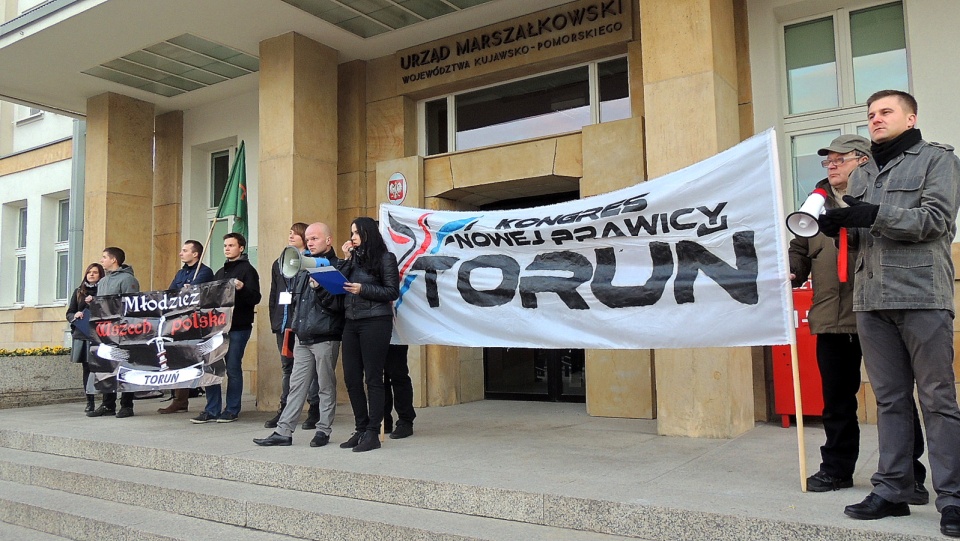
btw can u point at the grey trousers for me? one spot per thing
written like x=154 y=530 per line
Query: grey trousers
x=315 y=361
x=901 y=347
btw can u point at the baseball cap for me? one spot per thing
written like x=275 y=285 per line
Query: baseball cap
x=845 y=144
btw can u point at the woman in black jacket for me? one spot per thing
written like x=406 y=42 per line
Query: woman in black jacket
x=81 y=343
x=373 y=284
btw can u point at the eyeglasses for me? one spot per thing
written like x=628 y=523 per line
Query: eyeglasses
x=837 y=162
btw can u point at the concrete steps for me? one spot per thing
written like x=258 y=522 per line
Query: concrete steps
x=306 y=501
x=70 y=496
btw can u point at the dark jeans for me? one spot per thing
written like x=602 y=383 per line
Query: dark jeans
x=397 y=386
x=286 y=368
x=238 y=343
x=365 y=343
x=838 y=356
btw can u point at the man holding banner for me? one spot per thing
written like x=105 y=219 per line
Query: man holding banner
x=118 y=280
x=904 y=203
x=247 y=283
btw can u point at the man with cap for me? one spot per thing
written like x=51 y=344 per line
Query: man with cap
x=833 y=322
x=902 y=212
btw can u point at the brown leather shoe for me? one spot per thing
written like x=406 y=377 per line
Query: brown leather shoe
x=181 y=398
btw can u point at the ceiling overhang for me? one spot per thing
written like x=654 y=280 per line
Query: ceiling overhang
x=45 y=52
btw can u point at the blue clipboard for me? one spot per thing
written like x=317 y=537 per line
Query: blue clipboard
x=330 y=279
x=83 y=325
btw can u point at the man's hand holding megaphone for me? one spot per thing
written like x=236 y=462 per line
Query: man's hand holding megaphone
x=858 y=214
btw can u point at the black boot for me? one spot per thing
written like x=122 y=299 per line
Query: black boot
x=272 y=423
x=313 y=415
x=90 y=406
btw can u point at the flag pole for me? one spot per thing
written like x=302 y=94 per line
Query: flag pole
x=798 y=406
x=206 y=246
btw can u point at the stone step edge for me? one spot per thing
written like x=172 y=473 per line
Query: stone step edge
x=212 y=500
x=51 y=516
x=566 y=512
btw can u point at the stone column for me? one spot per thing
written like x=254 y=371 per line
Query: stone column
x=298 y=166
x=118 y=203
x=691 y=112
x=167 y=196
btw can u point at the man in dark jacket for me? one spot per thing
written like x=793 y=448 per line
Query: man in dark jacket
x=318 y=325
x=118 y=280
x=191 y=255
x=247 y=281
x=833 y=322
x=281 y=303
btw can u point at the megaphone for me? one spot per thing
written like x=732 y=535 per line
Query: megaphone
x=292 y=262
x=803 y=223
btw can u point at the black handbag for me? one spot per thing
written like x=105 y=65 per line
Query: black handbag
x=78 y=350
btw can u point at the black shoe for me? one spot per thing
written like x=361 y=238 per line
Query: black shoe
x=920 y=495
x=950 y=521
x=274 y=440
x=272 y=423
x=369 y=442
x=126 y=411
x=874 y=507
x=824 y=482
x=404 y=430
x=353 y=441
x=320 y=440
x=89 y=407
x=103 y=410
x=204 y=417
x=313 y=415
x=227 y=417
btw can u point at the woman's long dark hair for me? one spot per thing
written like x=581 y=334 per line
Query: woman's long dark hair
x=370 y=252
x=83 y=290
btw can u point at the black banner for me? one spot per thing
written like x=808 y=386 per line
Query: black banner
x=160 y=339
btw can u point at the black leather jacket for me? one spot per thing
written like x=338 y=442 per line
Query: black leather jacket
x=317 y=315
x=377 y=293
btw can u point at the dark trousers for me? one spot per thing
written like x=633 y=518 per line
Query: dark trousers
x=365 y=344
x=110 y=400
x=397 y=386
x=838 y=356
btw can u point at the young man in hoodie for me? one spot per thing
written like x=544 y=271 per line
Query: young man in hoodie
x=118 y=280
x=247 y=282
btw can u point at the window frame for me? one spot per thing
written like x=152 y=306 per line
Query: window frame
x=216 y=261
x=61 y=247
x=594 y=113
x=20 y=256
x=848 y=115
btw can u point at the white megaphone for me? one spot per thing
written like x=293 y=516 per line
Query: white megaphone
x=292 y=262
x=803 y=223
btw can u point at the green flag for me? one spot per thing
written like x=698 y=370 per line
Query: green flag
x=234 y=200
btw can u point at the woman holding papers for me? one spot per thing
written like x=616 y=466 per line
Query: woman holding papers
x=78 y=303
x=373 y=283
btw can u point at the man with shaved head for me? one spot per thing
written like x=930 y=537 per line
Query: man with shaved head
x=317 y=326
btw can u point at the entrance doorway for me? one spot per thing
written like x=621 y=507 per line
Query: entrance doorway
x=554 y=375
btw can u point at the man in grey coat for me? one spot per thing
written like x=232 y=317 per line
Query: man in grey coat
x=904 y=206
x=118 y=280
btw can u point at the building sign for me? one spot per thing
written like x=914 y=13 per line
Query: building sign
x=539 y=36
x=397 y=188
x=692 y=259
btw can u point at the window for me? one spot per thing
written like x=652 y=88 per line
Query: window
x=61 y=248
x=219 y=173
x=548 y=104
x=28 y=115
x=832 y=63
x=20 y=251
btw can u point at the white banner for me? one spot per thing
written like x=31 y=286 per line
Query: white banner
x=692 y=259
